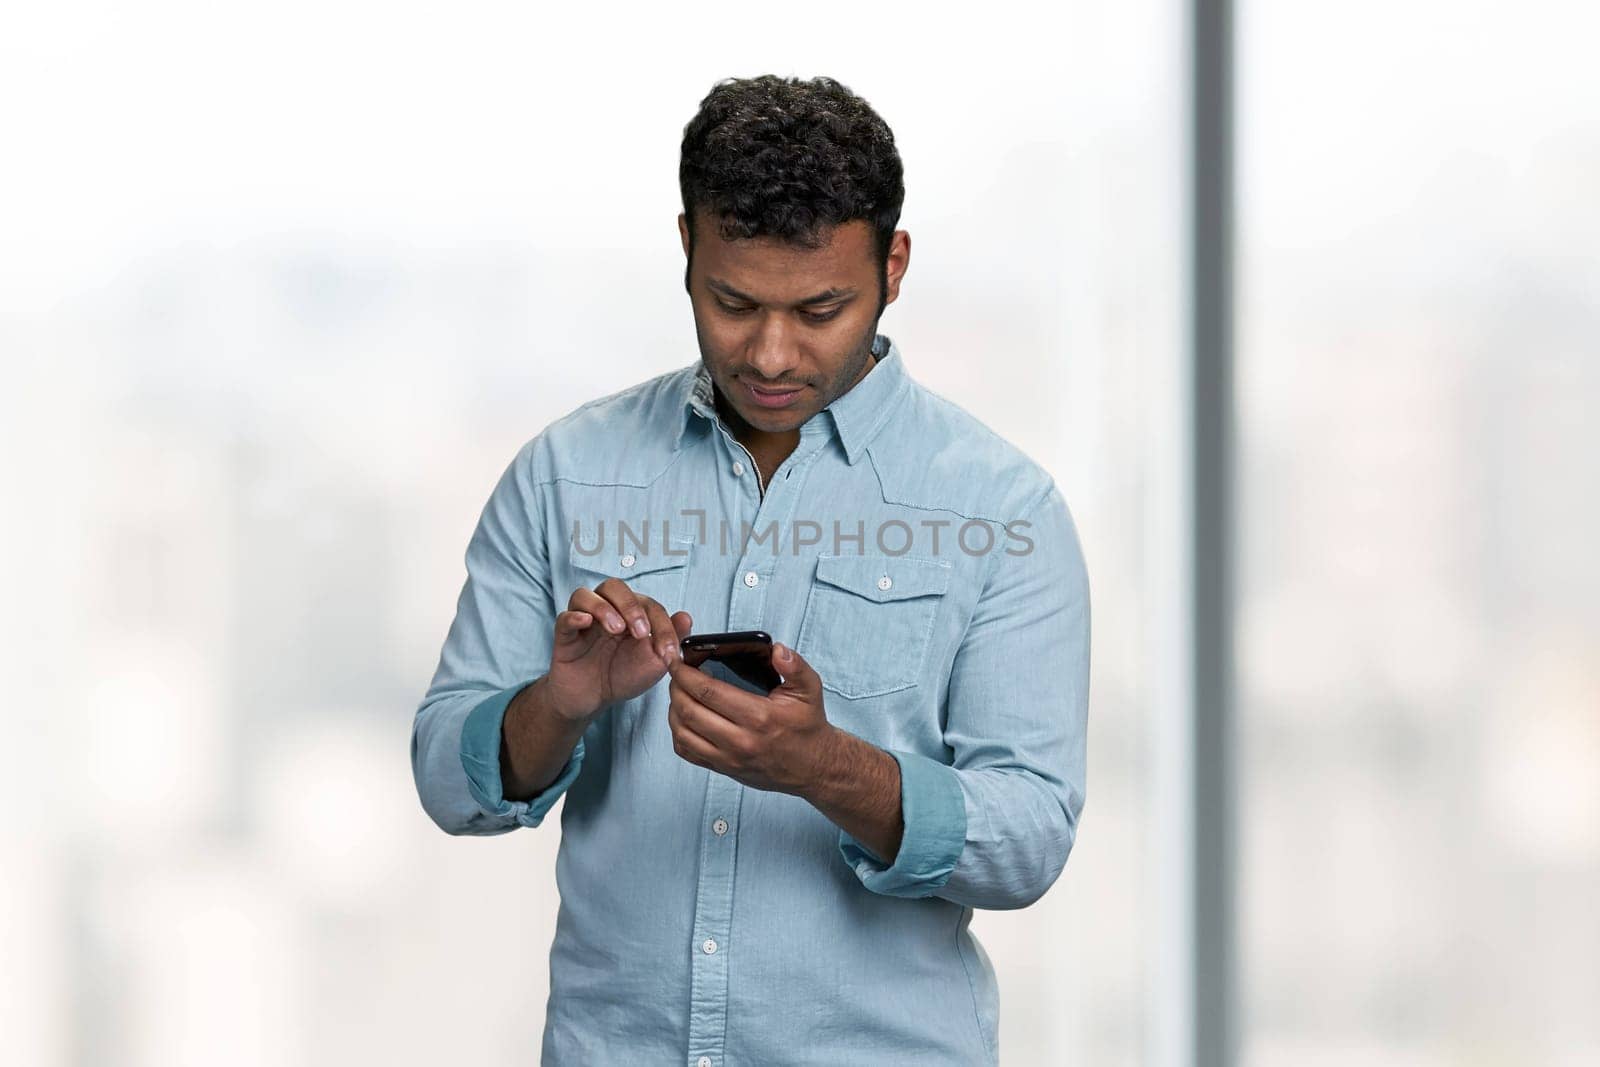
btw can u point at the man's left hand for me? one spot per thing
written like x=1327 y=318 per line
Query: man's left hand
x=779 y=742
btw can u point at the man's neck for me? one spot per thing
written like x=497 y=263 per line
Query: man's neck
x=768 y=450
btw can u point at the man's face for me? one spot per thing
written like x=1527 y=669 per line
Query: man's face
x=795 y=323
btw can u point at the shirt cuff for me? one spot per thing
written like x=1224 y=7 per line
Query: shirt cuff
x=480 y=757
x=934 y=811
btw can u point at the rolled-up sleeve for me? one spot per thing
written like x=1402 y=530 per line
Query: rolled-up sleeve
x=992 y=829
x=498 y=643
x=480 y=758
x=935 y=817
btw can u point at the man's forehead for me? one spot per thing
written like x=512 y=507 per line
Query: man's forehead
x=772 y=268
x=850 y=238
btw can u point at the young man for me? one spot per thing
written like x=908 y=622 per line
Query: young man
x=771 y=879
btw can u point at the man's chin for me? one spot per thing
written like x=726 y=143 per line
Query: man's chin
x=775 y=421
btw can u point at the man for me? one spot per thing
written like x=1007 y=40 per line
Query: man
x=785 y=878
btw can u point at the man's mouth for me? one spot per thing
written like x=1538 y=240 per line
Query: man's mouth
x=772 y=398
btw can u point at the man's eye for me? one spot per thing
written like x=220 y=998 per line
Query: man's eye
x=745 y=309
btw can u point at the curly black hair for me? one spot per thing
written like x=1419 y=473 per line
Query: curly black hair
x=790 y=158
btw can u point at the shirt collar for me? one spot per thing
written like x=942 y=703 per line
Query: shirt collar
x=857 y=416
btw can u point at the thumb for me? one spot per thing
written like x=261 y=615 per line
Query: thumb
x=798 y=675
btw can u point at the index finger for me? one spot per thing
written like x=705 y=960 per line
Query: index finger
x=662 y=632
x=628 y=604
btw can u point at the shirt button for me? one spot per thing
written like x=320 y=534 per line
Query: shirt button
x=703 y=1061
x=708 y=946
x=628 y=560
x=884 y=582
x=720 y=826
x=751 y=578
x=738 y=469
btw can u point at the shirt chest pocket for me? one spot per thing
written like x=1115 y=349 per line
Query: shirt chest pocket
x=660 y=575
x=869 y=620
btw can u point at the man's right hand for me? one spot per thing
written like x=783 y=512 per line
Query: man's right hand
x=599 y=657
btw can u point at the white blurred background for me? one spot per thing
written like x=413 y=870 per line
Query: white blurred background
x=283 y=287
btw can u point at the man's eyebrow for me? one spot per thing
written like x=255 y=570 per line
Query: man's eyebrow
x=820 y=298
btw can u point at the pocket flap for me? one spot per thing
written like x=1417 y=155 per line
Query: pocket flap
x=633 y=563
x=884 y=578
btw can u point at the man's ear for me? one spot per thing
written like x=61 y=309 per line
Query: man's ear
x=683 y=231
x=898 y=262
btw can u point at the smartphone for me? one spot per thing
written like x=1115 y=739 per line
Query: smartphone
x=743 y=658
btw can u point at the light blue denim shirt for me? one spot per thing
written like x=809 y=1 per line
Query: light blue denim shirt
x=932 y=575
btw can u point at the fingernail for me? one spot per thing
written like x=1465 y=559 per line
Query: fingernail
x=641 y=627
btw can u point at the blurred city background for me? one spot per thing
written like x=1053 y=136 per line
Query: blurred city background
x=283 y=288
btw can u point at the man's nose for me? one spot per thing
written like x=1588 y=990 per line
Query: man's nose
x=776 y=352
